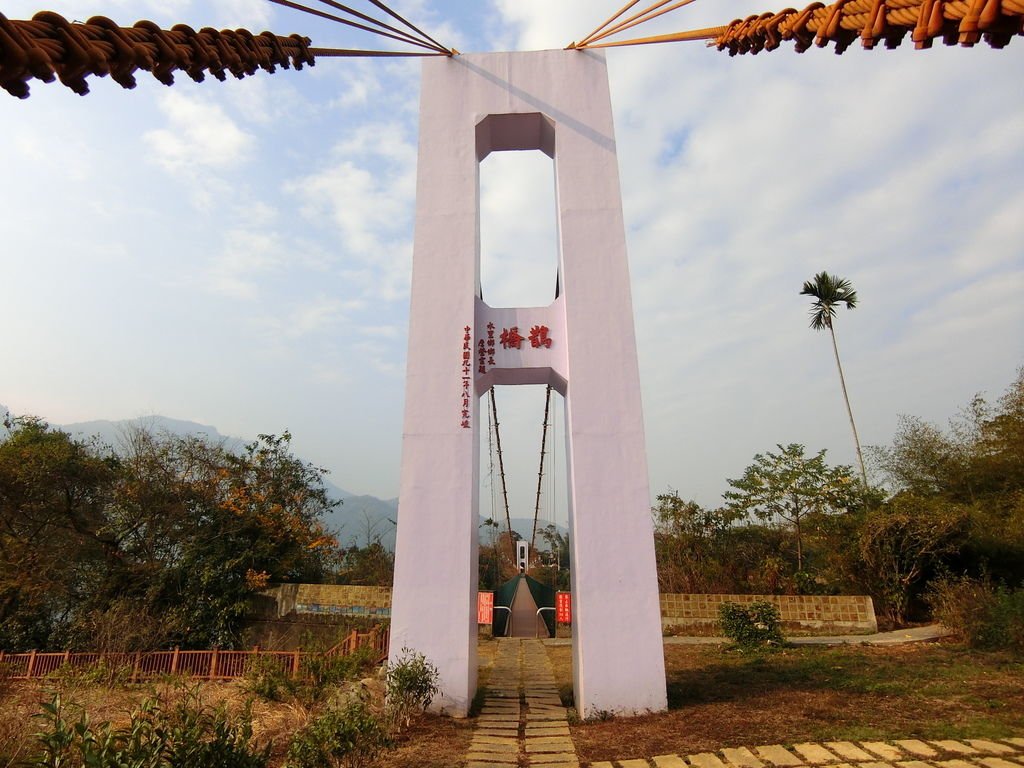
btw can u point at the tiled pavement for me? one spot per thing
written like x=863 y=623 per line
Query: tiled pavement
x=522 y=721
x=906 y=753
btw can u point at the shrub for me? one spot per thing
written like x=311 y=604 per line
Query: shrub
x=751 y=626
x=200 y=736
x=348 y=736
x=982 y=614
x=267 y=678
x=191 y=735
x=411 y=686
x=113 y=672
x=325 y=669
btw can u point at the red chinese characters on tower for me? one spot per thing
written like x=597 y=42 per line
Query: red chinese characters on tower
x=539 y=337
x=510 y=338
x=467 y=365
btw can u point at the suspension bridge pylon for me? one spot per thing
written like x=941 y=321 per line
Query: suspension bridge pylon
x=582 y=344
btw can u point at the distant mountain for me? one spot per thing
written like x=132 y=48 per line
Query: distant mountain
x=356 y=520
x=112 y=432
x=350 y=520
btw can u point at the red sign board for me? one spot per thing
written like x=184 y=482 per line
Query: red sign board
x=563 y=607
x=484 y=607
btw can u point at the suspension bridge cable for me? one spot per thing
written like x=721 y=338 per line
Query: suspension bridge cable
x=49 y=47
x=384 y=25
x=355 y=52
x=490 y=463
x=709 y=33
x=608 y=21
x=641 y=18
x=501 y=470
x=411 y=25
x=996 y=22
x=540 y=472
x=347 y=22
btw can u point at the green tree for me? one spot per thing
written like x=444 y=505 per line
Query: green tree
x=490 y=556
x=553 y=568
x=228 y=524
x=791 y=487
x=164 y=542
x=830 y=291
x=900 y=539
x=978 y=464
x=691 y=544
x=923 y=460
x=55 y=549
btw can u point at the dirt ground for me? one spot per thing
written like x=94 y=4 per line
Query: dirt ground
x=721 y=698
x=717 y=698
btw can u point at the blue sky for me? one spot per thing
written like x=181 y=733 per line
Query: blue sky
x=239 y=253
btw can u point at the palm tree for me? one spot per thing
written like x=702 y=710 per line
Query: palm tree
x=829 y=292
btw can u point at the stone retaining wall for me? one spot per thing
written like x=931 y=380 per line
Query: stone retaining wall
x=820 y=614
x=680 y=614
x=326 y=599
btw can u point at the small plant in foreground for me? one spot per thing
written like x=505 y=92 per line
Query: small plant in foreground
x=348 y=736
x=190 y=735
x=411 y=686
x=267 y=678
x=753 y=626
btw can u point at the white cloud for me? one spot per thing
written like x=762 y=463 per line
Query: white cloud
x=199 y=133
x=245 y=257
x=366 y=193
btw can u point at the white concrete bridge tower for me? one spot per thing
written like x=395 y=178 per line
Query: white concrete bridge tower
x=583 y=344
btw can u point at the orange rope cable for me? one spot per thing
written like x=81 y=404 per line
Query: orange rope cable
x=347 y=22
x=610 y=19
x=965 y=22
x=378 y=22
x=634 y=17
x=626 y=25
x=710 y=33
x=955 y=21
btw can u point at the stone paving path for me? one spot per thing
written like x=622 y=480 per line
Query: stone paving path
x=522 y=721
x=906 y=753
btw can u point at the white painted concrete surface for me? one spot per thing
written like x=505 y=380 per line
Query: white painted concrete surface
x=558 y=102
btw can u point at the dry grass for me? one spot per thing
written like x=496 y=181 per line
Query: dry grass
x=273 y=722
x=430 y=741
x=720 y=698
x=717 y=698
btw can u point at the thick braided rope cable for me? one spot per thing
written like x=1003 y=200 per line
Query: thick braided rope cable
x=965 y=22
x=49 y=47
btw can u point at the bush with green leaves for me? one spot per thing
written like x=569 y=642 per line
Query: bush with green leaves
x=411 y=685
x=755 y=625
x=266 y=677
x=345 y=736
x=324 y=670
x=190 y=734
x=981 y=613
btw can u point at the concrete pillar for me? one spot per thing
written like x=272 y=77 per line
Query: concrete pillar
x=583 y=344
